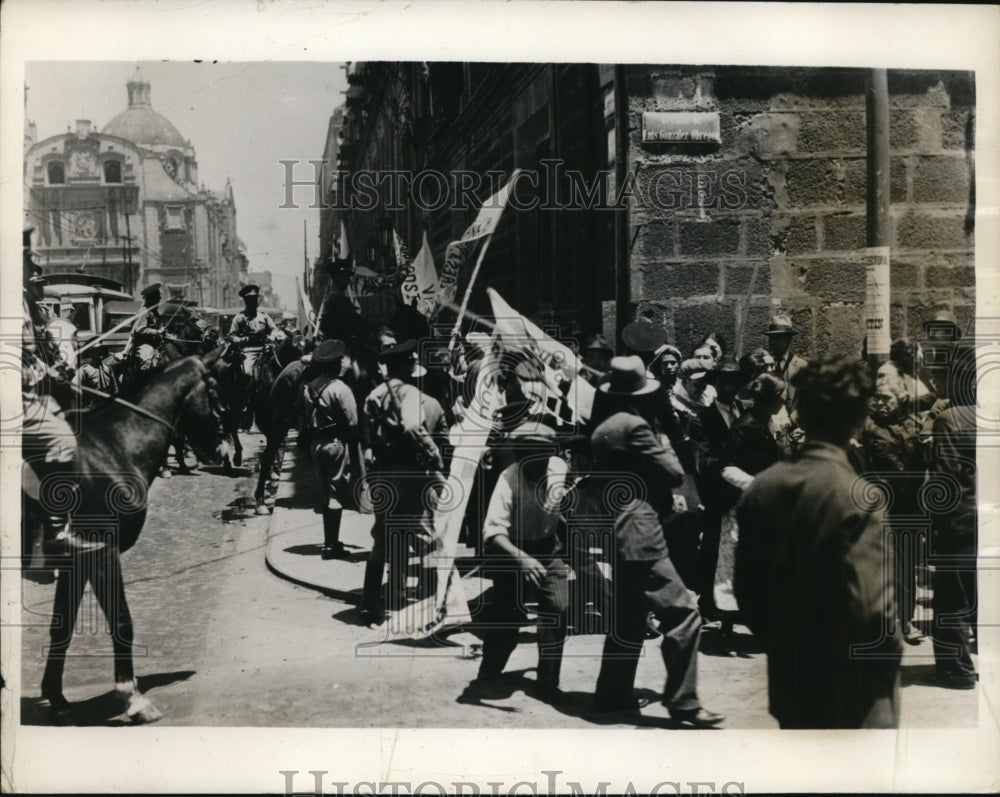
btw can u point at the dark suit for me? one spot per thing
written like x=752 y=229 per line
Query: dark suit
x=625 y=449
x=710 y=434
x=810 y=583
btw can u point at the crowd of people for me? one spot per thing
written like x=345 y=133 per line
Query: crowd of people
x=814 y=476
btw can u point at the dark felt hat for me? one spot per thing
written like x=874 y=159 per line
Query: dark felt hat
x=249 y=290
x=404 y=349
x=644 y=336
x=329 y=351
x=627 y=377
x=726 y=369
x=533 y=432
x=151 y=289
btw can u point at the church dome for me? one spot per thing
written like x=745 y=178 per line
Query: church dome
x=139 y=123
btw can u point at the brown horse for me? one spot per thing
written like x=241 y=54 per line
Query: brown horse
x=119 y=451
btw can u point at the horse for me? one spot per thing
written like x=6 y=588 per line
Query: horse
x=119 y=451
x=247 y=399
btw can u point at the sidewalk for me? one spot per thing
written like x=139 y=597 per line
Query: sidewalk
x=295 y=539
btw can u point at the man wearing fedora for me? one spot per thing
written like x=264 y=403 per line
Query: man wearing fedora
x=403 y=434
x=786 y=363
x=625 y=449
x=330 y=416
x=147 y=332
x=251 y=329
x=523 y=545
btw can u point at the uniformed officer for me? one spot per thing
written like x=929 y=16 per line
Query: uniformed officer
x=330 y=417
x=251 y=329
x=406 y=429
x=48 y=444
x=147 y=332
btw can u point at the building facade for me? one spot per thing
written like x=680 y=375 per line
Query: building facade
x=125 y=203
x=744 y=190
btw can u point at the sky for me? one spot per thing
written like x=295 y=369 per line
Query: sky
x=241 y=119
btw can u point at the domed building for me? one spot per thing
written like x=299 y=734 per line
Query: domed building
x=125 y=203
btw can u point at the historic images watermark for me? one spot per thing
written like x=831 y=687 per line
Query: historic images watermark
x=550 y=187
x=547 y=783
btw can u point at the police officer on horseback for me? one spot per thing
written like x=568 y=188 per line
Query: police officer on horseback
x=252 y=329
x=148 y=332
x=48 y=444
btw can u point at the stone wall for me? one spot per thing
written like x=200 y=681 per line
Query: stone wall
x=781 y=203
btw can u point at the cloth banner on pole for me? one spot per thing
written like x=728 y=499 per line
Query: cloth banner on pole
x=341 y=249
x=471 y=247
x=420 y=283
x=448 y=605
x=562 y=366
x=304 y=312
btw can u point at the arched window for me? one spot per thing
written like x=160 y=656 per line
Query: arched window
x=112 y=171
x=57 y=173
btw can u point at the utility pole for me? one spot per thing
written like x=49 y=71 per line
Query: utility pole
x=623 y=265
x=877 y=238
x=305 y=257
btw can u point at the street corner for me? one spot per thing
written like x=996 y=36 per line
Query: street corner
x=295 y=545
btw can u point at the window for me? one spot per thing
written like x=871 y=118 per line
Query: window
x=57 y=173
x=175 y=218
x=112 y=171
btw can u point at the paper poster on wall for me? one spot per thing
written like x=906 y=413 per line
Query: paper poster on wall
x=876 y=262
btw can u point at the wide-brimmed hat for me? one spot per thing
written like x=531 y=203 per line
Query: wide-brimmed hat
x=780 y=325
x=151 y=289
x=643 y=336
x=627 y=377
x=944 y=321
x=404 y=349
x=727 y=368
x=249 y=290
x=329 y=351
x=598 y=342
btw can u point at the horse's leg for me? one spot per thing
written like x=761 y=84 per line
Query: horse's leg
x=110 y=590
x=65 y=606
x=178 y=444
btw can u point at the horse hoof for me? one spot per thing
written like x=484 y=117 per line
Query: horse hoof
x=238 y=459
x=59 y=706
x=261 y=509
x=141 y=711
x=165 y=473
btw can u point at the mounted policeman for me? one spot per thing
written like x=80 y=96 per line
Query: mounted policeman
x=145 y=346
x=48 y=443
x=251 y=329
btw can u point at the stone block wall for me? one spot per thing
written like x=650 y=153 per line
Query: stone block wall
x=780 y=203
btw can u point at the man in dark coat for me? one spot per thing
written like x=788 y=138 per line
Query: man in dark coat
x=710 y=433
x=625 y=450
x=810 y=567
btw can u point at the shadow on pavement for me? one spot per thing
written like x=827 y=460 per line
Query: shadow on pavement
x=104 y=710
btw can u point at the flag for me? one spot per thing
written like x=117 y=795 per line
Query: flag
x=471 y=247
x=402 y=253
x=304 y=312
x=420 y=282
x=567 y=389
x=341 y=249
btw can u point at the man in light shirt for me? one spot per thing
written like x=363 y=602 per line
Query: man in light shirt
x=522 y=541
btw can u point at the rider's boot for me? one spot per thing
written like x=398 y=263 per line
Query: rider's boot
x=59 y=541
x=333 y=548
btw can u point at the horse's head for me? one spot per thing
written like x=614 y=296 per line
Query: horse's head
x=201 y=414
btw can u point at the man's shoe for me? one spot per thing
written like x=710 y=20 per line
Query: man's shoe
x=620 y=706
x=337 y=551
x=950 y=680
x=696 y=718
x=912 y=635
x=548 y=692
x=69 y=543
x=489 y=688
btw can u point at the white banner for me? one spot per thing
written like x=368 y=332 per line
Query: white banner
x=561 y=363
x=489 y=215
x=420 y=283
x=876 y=262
